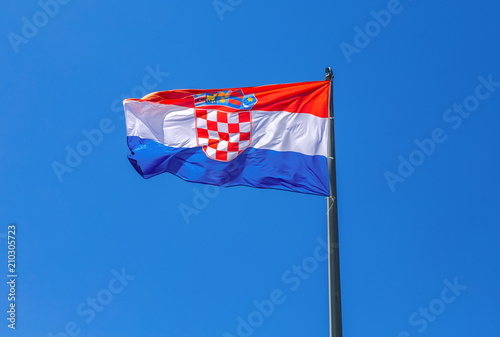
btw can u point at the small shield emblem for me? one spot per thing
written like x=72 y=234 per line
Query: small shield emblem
x=223 y=135
x=224 y=123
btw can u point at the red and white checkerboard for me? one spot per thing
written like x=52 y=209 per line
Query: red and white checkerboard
x=223 y=135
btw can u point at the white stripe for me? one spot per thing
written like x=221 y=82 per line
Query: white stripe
x=286 y=131
x=149 y=120
x=174 y=126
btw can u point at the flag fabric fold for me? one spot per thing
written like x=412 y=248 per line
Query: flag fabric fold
x=272 y=136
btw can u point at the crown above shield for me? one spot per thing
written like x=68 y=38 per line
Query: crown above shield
x=232 y=99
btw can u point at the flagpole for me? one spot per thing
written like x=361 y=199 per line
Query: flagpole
x=333 y=224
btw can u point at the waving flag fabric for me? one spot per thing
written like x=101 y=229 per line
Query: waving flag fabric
x=272 y=136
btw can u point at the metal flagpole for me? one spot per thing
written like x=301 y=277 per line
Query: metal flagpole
x=333 y=224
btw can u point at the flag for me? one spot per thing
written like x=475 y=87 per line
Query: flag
x=272 y=136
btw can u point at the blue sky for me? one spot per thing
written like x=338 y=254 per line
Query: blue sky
x=417 y=116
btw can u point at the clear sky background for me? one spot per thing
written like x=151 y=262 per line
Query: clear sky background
x=419 y=240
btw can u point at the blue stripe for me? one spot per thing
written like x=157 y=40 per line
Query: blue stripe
x=290 y=171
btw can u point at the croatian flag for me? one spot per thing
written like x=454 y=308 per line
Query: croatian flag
x=272 y=136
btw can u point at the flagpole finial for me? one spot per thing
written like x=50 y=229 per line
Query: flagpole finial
x=328 y=74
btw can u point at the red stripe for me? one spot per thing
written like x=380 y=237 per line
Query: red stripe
x=302 y=97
